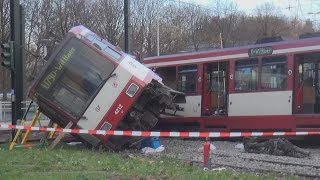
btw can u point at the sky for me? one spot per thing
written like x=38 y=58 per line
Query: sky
x=300 y=9
x=304 y=9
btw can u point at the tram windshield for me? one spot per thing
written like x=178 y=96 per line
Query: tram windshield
x=74 y=77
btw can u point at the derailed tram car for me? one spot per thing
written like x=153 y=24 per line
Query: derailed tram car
x=94 y=85
x=273 y=85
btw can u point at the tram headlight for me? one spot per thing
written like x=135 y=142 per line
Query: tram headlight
x=132 y=90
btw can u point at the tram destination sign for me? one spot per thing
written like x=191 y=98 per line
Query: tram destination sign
x=259 y=51
x=57 y=68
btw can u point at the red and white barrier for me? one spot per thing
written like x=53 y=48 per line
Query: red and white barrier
x=160 y=134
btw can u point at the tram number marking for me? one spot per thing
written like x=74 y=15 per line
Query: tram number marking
x=133 y=64
x=118 y=109
x=289 y=72
x=97 y=109
x=231 y=76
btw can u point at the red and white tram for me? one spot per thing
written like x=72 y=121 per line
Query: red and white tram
x=269 y=86
x=94 y=85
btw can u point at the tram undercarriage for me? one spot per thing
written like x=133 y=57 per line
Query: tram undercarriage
x=145 y=113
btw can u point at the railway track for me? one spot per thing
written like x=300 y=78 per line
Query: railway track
x=226 y=155
x=307 y=170
x=5 y=136
x=283 y=169
x=261 y=165
x=270 y=161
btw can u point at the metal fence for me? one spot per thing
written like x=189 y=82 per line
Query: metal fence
x=6 y=111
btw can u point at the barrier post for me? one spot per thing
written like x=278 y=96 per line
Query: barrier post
x=206 y=155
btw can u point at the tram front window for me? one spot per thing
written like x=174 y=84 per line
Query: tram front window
x=74 y=76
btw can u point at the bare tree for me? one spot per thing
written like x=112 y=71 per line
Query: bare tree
x=270 y=22
x=222 y=23
x=196 y=21
x=108 y=19
x=174 y=28
x=4 y=31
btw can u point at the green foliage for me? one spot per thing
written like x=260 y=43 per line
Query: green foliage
x=84 y=164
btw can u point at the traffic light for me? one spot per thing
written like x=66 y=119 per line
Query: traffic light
x=7 y=55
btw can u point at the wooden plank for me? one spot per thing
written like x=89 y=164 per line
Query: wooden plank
x=51 y=134
x=60 y=136
x=16 y=136
x=33 y=122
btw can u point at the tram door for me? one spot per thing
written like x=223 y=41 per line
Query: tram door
x=215 y=85
x=307 y=85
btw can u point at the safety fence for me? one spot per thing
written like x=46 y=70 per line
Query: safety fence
x=6 y=111
x=206 y=135
x=160 y=134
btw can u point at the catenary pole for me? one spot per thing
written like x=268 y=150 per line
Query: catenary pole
x=126 y=25
x=16 y=34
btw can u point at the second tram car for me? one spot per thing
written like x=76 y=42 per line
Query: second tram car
x=266 y=86
x=93 y=85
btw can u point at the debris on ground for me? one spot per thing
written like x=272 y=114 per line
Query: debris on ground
x=278 y=147
x=239 y=146
x=218 y=169
x=151 y=145
x=149 y=150
x=74 y=143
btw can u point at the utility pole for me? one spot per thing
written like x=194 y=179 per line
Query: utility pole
x=17 y=33
x=126 y=9
x=22 y=72
x=158 y=33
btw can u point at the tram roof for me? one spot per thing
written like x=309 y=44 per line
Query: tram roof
x=287 y=46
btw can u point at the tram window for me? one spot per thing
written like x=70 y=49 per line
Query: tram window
x=274 y=73
x=217 y=81
x=187 y=78
x=246 y=75
x=103 y=45
x=113 y=53
x=74 y=77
